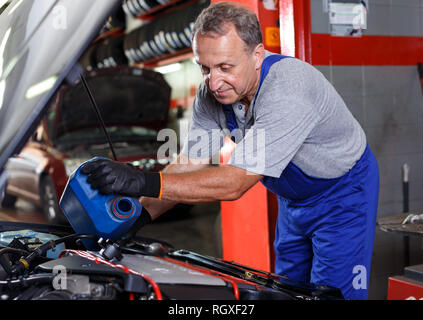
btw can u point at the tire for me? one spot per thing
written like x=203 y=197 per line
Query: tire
x=8 y=201
x=49 y=202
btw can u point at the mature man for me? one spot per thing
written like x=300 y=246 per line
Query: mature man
x=314 y=154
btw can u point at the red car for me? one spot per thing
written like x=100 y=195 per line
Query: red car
x=134 y=104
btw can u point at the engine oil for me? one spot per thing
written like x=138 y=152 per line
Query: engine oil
x=89 y=212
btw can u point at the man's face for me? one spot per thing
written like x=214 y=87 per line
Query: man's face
x=230 y=72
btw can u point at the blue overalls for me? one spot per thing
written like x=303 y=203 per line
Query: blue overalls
x=325 y=228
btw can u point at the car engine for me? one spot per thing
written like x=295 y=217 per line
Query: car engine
x=141 y=269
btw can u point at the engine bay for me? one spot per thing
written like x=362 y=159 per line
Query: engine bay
x=141 y=269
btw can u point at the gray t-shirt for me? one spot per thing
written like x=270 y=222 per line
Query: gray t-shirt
x=296 y=116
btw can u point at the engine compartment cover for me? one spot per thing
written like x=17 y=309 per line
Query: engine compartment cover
x=160 y=270
x=163 y=271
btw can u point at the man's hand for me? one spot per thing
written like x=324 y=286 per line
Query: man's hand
x=120 y=178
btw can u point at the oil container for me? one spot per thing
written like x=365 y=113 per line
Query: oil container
x=89 y=212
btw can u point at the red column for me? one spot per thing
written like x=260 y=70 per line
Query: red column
x=295 y=28
x=245 y=225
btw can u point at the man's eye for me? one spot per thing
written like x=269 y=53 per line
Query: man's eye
x=204 y=70
x=225 y=69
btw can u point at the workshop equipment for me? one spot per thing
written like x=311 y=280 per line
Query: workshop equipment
x=89 y=212
x=406 y=208
x=407 y=287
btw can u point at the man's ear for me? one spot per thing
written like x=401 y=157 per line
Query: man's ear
x=259 y=55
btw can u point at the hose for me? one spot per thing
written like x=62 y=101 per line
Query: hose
x=28 y=281
x=25 y=262
x=5 y=262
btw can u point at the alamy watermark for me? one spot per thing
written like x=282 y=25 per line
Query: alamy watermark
x=360 y=19
x=60 y=17
x=59 y=281
x=204 y=147
x=360 y=280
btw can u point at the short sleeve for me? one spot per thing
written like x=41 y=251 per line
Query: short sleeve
x=205 y=137
x=284 y=117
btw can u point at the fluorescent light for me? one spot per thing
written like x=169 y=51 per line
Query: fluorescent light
x=10 y=66
x=3 y=2
x=2 y=89
x=40 y=87
x=169 y=68
x=3 y=81
x=15 y=7
x=2 y=47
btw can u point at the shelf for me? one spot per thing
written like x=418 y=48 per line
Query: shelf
x=166 y=8
x=111 y=33
x=167 y=59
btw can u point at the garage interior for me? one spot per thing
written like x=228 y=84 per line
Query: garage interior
x=375 y=67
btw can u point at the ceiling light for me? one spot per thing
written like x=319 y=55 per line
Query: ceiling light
x=169 y=68
x=40 y=87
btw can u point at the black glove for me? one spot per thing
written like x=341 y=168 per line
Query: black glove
x=121 y=178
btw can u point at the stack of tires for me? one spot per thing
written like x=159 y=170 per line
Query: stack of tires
x=136 y=8
x=169 y=34
x=106 y=54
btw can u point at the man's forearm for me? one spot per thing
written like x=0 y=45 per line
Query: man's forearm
x=199 y=183
x=223 y=183
x=181 y=164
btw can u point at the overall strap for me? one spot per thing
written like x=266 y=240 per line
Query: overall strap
x=230 y=117
x=267 y=63
x=265 y=67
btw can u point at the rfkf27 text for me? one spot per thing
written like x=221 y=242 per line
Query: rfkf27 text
x=223 y=309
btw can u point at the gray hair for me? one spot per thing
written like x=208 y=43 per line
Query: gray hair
x=215 y=18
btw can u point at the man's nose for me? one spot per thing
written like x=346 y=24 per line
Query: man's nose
x=214 y=80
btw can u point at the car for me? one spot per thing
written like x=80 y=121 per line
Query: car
x=134 y=105
x=38 y=58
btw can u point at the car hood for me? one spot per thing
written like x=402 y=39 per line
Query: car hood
x=126 y=96
x=40 y=44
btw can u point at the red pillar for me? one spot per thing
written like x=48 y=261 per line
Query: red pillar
x=295 y=32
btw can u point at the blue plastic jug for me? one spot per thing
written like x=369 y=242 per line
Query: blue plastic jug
x=89 y=212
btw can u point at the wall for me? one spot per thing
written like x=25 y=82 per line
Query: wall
x=378 y=79
x=184 y=83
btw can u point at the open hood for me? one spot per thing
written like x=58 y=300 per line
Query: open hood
x=126 y=96
x=40 y=43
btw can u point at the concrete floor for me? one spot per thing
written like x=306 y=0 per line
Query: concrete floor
x=23 y=212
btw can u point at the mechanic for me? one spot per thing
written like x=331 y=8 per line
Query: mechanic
x=317 y=160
